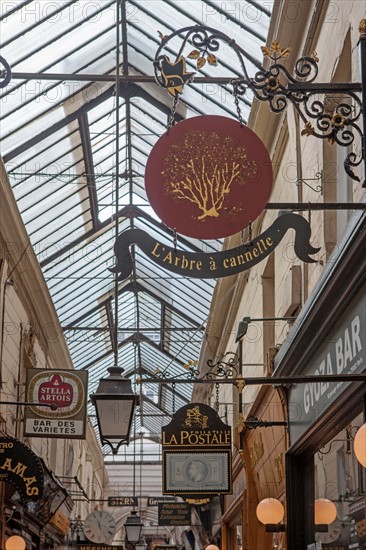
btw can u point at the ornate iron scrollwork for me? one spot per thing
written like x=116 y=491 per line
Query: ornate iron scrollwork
x=224 y=368
x=335 y=117
x=5 y=72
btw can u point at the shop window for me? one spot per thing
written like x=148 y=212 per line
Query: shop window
x=339 y=478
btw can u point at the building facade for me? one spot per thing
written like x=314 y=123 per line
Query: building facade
x=73 y=471
x=302 y=319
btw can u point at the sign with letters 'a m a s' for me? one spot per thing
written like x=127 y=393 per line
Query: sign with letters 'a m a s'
x=65 y=389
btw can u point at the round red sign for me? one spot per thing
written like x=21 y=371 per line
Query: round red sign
x=208 y=177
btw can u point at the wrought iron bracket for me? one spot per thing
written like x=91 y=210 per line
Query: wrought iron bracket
x=253 y=422
x=318 y=178
x=336 y=117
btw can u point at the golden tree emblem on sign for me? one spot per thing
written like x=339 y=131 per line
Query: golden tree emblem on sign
x=202 y=170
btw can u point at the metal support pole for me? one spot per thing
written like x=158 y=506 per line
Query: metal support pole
x=362 y=46
x=241 y=418
x=52 y=406
x=260 y=380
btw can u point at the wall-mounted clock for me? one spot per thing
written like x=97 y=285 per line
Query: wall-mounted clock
x=334 y=530
x=99 y=526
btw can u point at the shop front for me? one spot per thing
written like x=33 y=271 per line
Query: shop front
x=321 y=466
x=35 y=506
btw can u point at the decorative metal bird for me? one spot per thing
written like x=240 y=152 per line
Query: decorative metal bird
x=175 y=75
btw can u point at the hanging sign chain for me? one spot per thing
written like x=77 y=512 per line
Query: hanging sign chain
x=217 y=404
x=173 y=390
x=175 y=240
x=250 y=233
x=237 y=104
x=171 y=119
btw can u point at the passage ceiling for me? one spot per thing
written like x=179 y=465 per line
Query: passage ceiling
x=59 y=142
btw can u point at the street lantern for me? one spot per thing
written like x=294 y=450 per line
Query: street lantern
x=141 y=545
x=114 y=403
x=133 y=527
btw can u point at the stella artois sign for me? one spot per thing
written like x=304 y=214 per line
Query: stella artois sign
x=209 y=177
x=64 y=388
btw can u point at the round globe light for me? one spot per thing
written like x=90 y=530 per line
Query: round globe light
x=359 y=445
x=15 y=542
x=325 y=511
x=212 y=547
x=270 y=511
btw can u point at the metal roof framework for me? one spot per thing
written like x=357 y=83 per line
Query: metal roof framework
x=59 y=143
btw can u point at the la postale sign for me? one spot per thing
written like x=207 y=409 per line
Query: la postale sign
x=196 y=447
x=186 y=438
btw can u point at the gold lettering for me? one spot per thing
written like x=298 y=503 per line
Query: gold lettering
x=20 y=469
x=154 y=252
x=168 y=258
x=248 y=255
x=226 y=262
x=32 y=491
x=256 y=451
x=199 y=265
x=214 y=439
x=29 y=481
x=255 y=253
x=232 y=262
x=172 y=441
x=184 y=436
x=7 y=465
x=263 y=244
x=240 y=259
x=269 y=241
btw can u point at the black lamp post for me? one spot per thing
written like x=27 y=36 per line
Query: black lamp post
x=133 y=527
x=115 y=404
x=141 y=545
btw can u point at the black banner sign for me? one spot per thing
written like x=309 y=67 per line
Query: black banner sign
x=153 y=501
x=218 y=264
x=21 y=467
x=91 y=546
x=174 y=513
x=122 y=501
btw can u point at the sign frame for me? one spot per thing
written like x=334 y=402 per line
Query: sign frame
x=196 y=454
x=66 y=388
x=195 y=472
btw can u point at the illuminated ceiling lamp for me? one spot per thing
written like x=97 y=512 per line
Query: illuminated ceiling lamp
x=270 y=512
x=15 y=542
x=325 y=512
x=359 y=445
x=212 y=547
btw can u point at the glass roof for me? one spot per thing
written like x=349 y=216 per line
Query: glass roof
x=59 y=142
